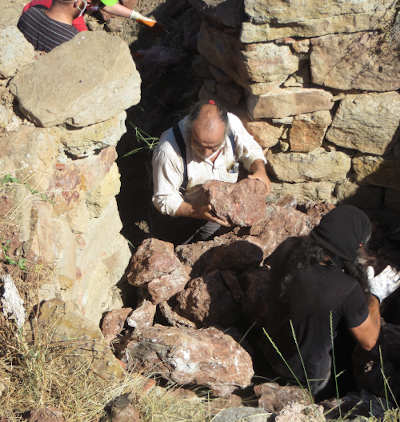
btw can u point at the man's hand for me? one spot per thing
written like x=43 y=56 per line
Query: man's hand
x=384 y=283
x=257 y=170
x=203 y=212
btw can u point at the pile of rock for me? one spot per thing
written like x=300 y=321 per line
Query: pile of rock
x=204 y=294
x=316 y=84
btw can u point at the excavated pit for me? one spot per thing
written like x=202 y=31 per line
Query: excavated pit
x=170 y=85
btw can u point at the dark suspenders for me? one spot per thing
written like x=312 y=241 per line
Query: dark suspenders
x=182 y=146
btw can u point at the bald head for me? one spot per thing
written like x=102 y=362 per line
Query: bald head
x=207 y=131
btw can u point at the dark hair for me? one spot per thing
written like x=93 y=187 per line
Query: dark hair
x=195 y=111
x=309 y=253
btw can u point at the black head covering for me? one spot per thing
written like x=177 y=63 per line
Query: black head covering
x=342 y=230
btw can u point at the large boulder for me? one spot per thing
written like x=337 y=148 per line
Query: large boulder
x=241 y=204
x=155 y=266
x=363 y=61
x=279 y=103
x=58 y=88
x=317 y=166
x=15 y=51
x=186 y=356
x=367 y=123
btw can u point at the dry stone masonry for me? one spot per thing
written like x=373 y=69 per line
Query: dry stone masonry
x=58 y=151
x=318 y=89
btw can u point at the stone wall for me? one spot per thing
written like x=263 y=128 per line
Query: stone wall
x=61 y=116
x=316 y=83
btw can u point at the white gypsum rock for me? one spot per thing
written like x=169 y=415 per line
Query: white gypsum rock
x=11 y=301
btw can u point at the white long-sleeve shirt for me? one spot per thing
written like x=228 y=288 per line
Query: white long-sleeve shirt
x=168 y=168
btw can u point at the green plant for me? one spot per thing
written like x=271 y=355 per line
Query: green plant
x=20 y=263
x=143 y=140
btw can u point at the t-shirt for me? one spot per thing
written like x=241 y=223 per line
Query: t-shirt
x=78 y=23
x=43 y=32
x=315 y=297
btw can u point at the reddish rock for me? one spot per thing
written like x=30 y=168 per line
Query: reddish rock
x=46 y=414
x=227 y=252
x=209 y=300
x=274 y=398
x=173 y=318
x=113 y=323
x=279 y=224
x=239 y=253
x=241 y=204
x=187 y=356
x=143 y=316
x=156 y=265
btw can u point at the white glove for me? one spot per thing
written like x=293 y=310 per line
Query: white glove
x=384 y=283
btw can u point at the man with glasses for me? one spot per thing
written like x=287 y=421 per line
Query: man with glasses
x=208 y=144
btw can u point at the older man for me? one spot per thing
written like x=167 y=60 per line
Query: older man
x=208 y=144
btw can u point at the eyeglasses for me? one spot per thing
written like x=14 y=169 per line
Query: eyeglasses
x=82 y=11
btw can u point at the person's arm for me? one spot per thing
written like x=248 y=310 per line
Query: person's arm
x=248 y=151
x=257 y=171
x=118 y=10
x=367 y=332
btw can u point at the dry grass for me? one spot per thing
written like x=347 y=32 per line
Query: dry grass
x=38 y=371
x=46 y=373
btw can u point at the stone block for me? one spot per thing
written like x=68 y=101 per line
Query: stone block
x=367 y=122
x=266 y=134
x=282 y=11
x=111 y=86
x=364 y=61
x=280 y=103
x=308 y=131
x=310 y=28
x=304 y=192
x=317 y=166
x=80 y=143
x=262 y=63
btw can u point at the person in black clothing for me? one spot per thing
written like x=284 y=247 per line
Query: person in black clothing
x=321 y=283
